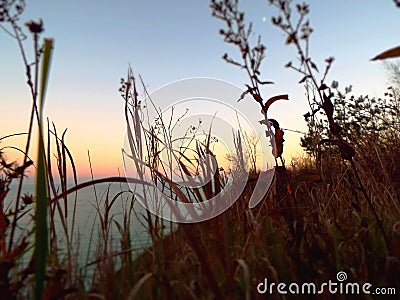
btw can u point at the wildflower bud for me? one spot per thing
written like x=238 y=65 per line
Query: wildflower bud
x=35 y=27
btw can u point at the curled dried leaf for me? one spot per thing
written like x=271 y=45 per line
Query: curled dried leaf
x=272 y=100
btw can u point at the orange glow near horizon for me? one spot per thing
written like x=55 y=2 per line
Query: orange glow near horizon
x=105 y=162
x=84 y=80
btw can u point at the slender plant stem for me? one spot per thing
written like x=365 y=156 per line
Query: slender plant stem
x=32 y=115
x=97 y=181
x=378 y=220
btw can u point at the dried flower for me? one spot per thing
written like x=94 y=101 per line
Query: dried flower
x=35 y=27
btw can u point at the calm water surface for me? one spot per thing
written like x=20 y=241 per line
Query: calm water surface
x=87 y=229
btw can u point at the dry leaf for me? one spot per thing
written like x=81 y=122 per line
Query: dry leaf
x=391 y=53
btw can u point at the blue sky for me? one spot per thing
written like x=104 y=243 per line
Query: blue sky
x=165 y=41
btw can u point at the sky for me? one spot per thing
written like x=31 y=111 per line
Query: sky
x=166 y=41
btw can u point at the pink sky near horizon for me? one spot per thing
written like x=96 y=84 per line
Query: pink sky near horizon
x=96 y=40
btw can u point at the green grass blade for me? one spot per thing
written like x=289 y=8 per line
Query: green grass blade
x=41 y=233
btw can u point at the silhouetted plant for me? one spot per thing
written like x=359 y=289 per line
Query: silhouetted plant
x=358 y=117
x=51 y=279
x=238 y=33
x=332 y=235
x=298 y=34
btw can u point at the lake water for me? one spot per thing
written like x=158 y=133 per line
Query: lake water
x=87 y=221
